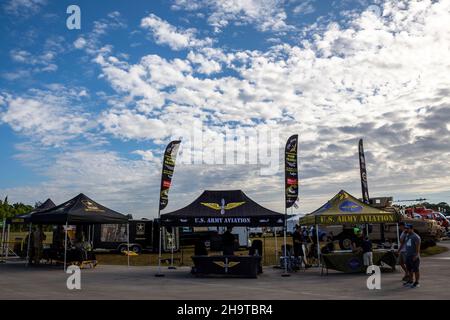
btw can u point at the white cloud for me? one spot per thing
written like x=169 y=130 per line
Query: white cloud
x=80 y=43
x=45 y=117
x=365 y=80
x=23 y=7
x=384 y=78
x=306 y=7
x=264 y=14
x=25 y=57
x=165 y=33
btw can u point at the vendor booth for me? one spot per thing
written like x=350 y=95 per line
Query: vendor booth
x=80 y=211
x=16 y=248
x=344 y=209
x=227 y=208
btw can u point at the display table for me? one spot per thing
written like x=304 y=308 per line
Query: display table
x=350 y=262
x=242 y=266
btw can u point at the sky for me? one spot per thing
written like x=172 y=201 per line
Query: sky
x=91 y=110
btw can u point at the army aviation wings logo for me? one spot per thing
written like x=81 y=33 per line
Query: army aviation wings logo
x=227 y=264
x=90 y=206
x=222 y=207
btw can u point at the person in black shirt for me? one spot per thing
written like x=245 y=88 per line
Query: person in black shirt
x=228 y=242
x=298 y=240
x=367 y=252
x=357 y=241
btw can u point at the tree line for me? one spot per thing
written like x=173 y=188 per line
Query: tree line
x=8 y=210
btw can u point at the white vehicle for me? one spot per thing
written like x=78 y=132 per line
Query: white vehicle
x=256 y=232
x=291 y=222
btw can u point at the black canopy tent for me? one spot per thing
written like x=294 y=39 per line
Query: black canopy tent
x=80 y=210
x=223 y=208
x=226 y=208
x=25 y=218
x=21 y=219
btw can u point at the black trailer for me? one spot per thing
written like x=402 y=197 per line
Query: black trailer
x=114 y=236
x=144 y=236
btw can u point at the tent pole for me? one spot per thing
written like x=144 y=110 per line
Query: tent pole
x=128 y=244
x=92 y=237
x=65 y=246
x=7 y=242
x=398 y=237
x=276 y=245
x=172 y=244
x=3 y=240
x=285 y=274
x=318 y=243
x=159 y=273
x=29 y=244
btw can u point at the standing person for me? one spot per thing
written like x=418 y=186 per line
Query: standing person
x=402 y=250
x=367 y=252
x=38 y=239
x=228 y=242
x=297 y=239
x=313 y=255
x=412 y=243
x=357 y=241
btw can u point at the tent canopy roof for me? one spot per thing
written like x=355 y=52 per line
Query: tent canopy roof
x=78 y=210
x=344 y=208
x=223 y=208
x=25 y=218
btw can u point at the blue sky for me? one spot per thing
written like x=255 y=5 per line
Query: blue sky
x=91 y=110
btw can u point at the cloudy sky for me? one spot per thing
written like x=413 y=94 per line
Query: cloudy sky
x=91 y=110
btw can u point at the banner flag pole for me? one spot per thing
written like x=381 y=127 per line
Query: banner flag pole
x=290 y=186
x=168 y=168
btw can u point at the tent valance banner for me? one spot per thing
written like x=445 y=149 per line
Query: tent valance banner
x=345 y=209
x=168 y=168
x=363 y=172
x=291 y=171
x=223 y=208
x=78 y=210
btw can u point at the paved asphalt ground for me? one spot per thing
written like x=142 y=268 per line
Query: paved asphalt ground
x=121 y=282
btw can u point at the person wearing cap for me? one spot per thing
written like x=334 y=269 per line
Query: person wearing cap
x=357 y=241
x=402 y=250
x=412 y=243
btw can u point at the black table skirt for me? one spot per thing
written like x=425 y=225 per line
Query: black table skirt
x=242 y=266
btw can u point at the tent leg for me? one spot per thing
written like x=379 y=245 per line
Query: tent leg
x=7 y=242
x=276 y=246
x=3 y=241
x=318 y=244
x=398 y=237
x=65 y=247
x=128 y=244
x=29 y=244
x=92 y=237
x=172 y=244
